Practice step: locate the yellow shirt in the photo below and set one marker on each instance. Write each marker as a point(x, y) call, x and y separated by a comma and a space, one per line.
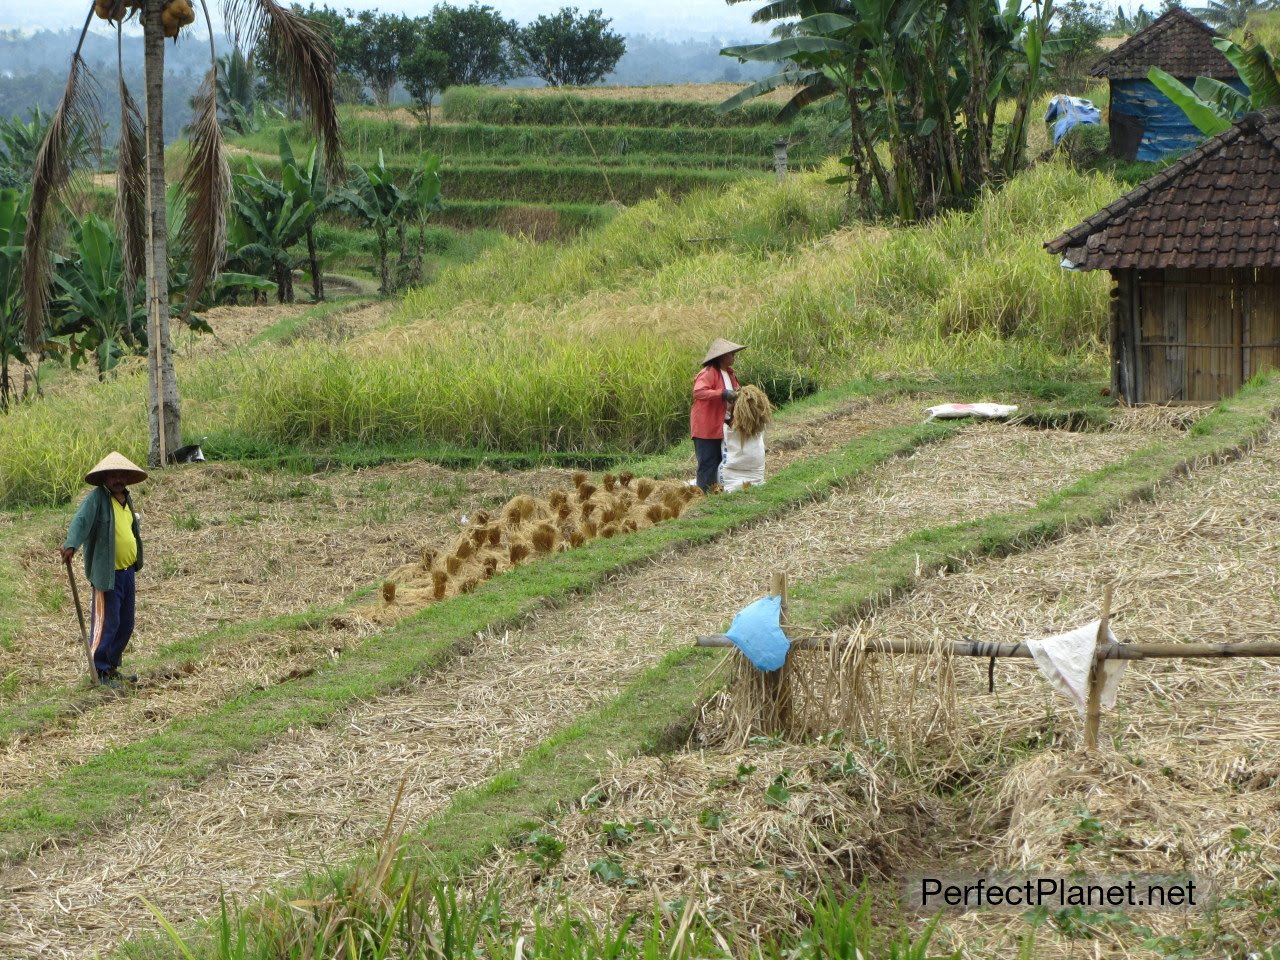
point(126, 543)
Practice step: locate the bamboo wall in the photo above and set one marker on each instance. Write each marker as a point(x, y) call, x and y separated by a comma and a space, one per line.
point(1192, 335)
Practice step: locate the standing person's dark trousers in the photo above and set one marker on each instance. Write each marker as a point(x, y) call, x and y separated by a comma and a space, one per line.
point(709, 454)
point(111, 613)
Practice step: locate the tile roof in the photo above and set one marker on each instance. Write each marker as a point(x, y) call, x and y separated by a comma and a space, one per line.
point(1178, 43)
point(1219, 206)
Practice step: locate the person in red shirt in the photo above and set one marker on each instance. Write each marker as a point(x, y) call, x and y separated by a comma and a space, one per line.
point(714, 390)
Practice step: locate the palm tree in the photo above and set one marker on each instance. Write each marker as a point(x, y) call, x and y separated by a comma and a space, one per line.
point(303, 54)
point(1229, 15)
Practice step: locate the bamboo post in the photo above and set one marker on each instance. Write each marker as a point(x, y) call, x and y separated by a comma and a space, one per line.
point(1093, 708)
point(776, 688)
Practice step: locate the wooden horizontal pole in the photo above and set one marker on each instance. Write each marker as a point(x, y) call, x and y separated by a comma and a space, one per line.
point(976, 648)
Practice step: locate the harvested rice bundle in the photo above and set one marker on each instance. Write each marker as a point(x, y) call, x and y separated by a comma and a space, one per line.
point(518, 552)
point(608, 531)
point(464, 548)
point(654, 513)
point(468, 584)
point(452, 564)
point(482, 517)
point(579, 478)
point(439, 583)
point(626, 477)
point(427, 558)
point(519, 509)
point(610, 481)
point(490, 566)
point(544, 537)
point(577, 539)
point(495, 536)
point(558, 498)
point(585, 490)
point(752, 411)
point(389, 592)
point(644, 487)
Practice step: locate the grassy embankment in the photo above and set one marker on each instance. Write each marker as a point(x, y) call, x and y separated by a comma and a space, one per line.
point(655, 710)
point(586, 347)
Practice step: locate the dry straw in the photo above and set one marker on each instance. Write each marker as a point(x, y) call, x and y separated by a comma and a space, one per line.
point(752, 411)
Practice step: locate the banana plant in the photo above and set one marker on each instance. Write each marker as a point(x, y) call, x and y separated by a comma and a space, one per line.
point(268, 220)
point(1213, 105)
point(13, 222)
point(93, 313)
point(308, 182)
point(395, 213)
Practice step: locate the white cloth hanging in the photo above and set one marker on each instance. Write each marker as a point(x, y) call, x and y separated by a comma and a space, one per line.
point(1065, 660)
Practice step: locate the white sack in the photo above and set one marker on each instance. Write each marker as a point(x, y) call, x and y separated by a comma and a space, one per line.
point(742, 460)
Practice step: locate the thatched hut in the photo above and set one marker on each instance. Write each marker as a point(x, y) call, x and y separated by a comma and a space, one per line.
point(1194, 253)
point(1144, 123)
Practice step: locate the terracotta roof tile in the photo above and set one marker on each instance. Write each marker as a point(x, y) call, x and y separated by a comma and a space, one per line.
point(1178, 43)
point(1219, 206)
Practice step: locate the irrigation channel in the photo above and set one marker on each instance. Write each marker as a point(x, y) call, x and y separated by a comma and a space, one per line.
point(318, 796)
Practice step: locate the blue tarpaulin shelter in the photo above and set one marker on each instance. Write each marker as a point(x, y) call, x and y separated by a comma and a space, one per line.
point(1145, 124)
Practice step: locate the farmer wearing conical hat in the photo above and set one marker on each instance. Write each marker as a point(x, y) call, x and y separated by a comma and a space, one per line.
point(106, 525)
point(714, 390)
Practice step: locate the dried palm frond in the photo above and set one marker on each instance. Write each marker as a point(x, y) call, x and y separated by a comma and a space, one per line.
point(131, 185)
point(302, 52)
point(206, 184)
point(70, 121)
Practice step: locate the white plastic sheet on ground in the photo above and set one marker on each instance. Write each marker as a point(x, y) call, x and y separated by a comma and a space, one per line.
point(951, 411)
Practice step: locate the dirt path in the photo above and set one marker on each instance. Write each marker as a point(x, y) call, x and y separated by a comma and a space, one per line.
point(319, 796)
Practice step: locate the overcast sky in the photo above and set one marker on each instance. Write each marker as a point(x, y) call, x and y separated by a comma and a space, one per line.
point(673, 19)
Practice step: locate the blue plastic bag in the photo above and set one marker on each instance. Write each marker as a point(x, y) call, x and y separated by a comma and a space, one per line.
point(757, 632)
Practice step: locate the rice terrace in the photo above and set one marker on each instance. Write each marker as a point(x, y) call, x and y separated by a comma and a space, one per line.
point(825, 505)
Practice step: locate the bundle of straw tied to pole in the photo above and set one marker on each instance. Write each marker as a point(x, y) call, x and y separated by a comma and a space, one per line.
point(529, 527)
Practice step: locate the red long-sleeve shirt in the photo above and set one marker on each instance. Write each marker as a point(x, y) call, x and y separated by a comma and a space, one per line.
point(706, 419)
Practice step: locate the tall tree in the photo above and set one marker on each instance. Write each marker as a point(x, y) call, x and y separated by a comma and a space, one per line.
point(373, 47)
point(479, 45)
point(302, 53)
point(568, 49)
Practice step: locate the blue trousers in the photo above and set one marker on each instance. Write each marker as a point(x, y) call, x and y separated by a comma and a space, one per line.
point(709, 453)
point(111, 614)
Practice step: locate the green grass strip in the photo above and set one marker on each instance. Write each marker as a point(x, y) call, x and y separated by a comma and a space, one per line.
point(109, 785)
point(657, 706)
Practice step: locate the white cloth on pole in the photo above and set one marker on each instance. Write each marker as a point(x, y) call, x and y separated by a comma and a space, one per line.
point(742, 460)
point(1065, 660)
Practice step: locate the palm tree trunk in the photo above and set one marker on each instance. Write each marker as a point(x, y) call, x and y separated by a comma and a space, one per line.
point(164, 409)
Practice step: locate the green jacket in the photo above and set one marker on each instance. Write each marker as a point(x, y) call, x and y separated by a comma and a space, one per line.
point(94, 528)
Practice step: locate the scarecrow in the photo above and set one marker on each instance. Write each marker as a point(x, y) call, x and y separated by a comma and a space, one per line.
point(106, 525)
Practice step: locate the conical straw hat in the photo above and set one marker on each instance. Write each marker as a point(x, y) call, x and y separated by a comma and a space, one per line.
point(719, 347)
point(115, 461)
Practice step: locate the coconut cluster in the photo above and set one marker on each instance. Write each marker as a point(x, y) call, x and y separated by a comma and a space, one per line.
point(528, 527)
point(176, 14)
